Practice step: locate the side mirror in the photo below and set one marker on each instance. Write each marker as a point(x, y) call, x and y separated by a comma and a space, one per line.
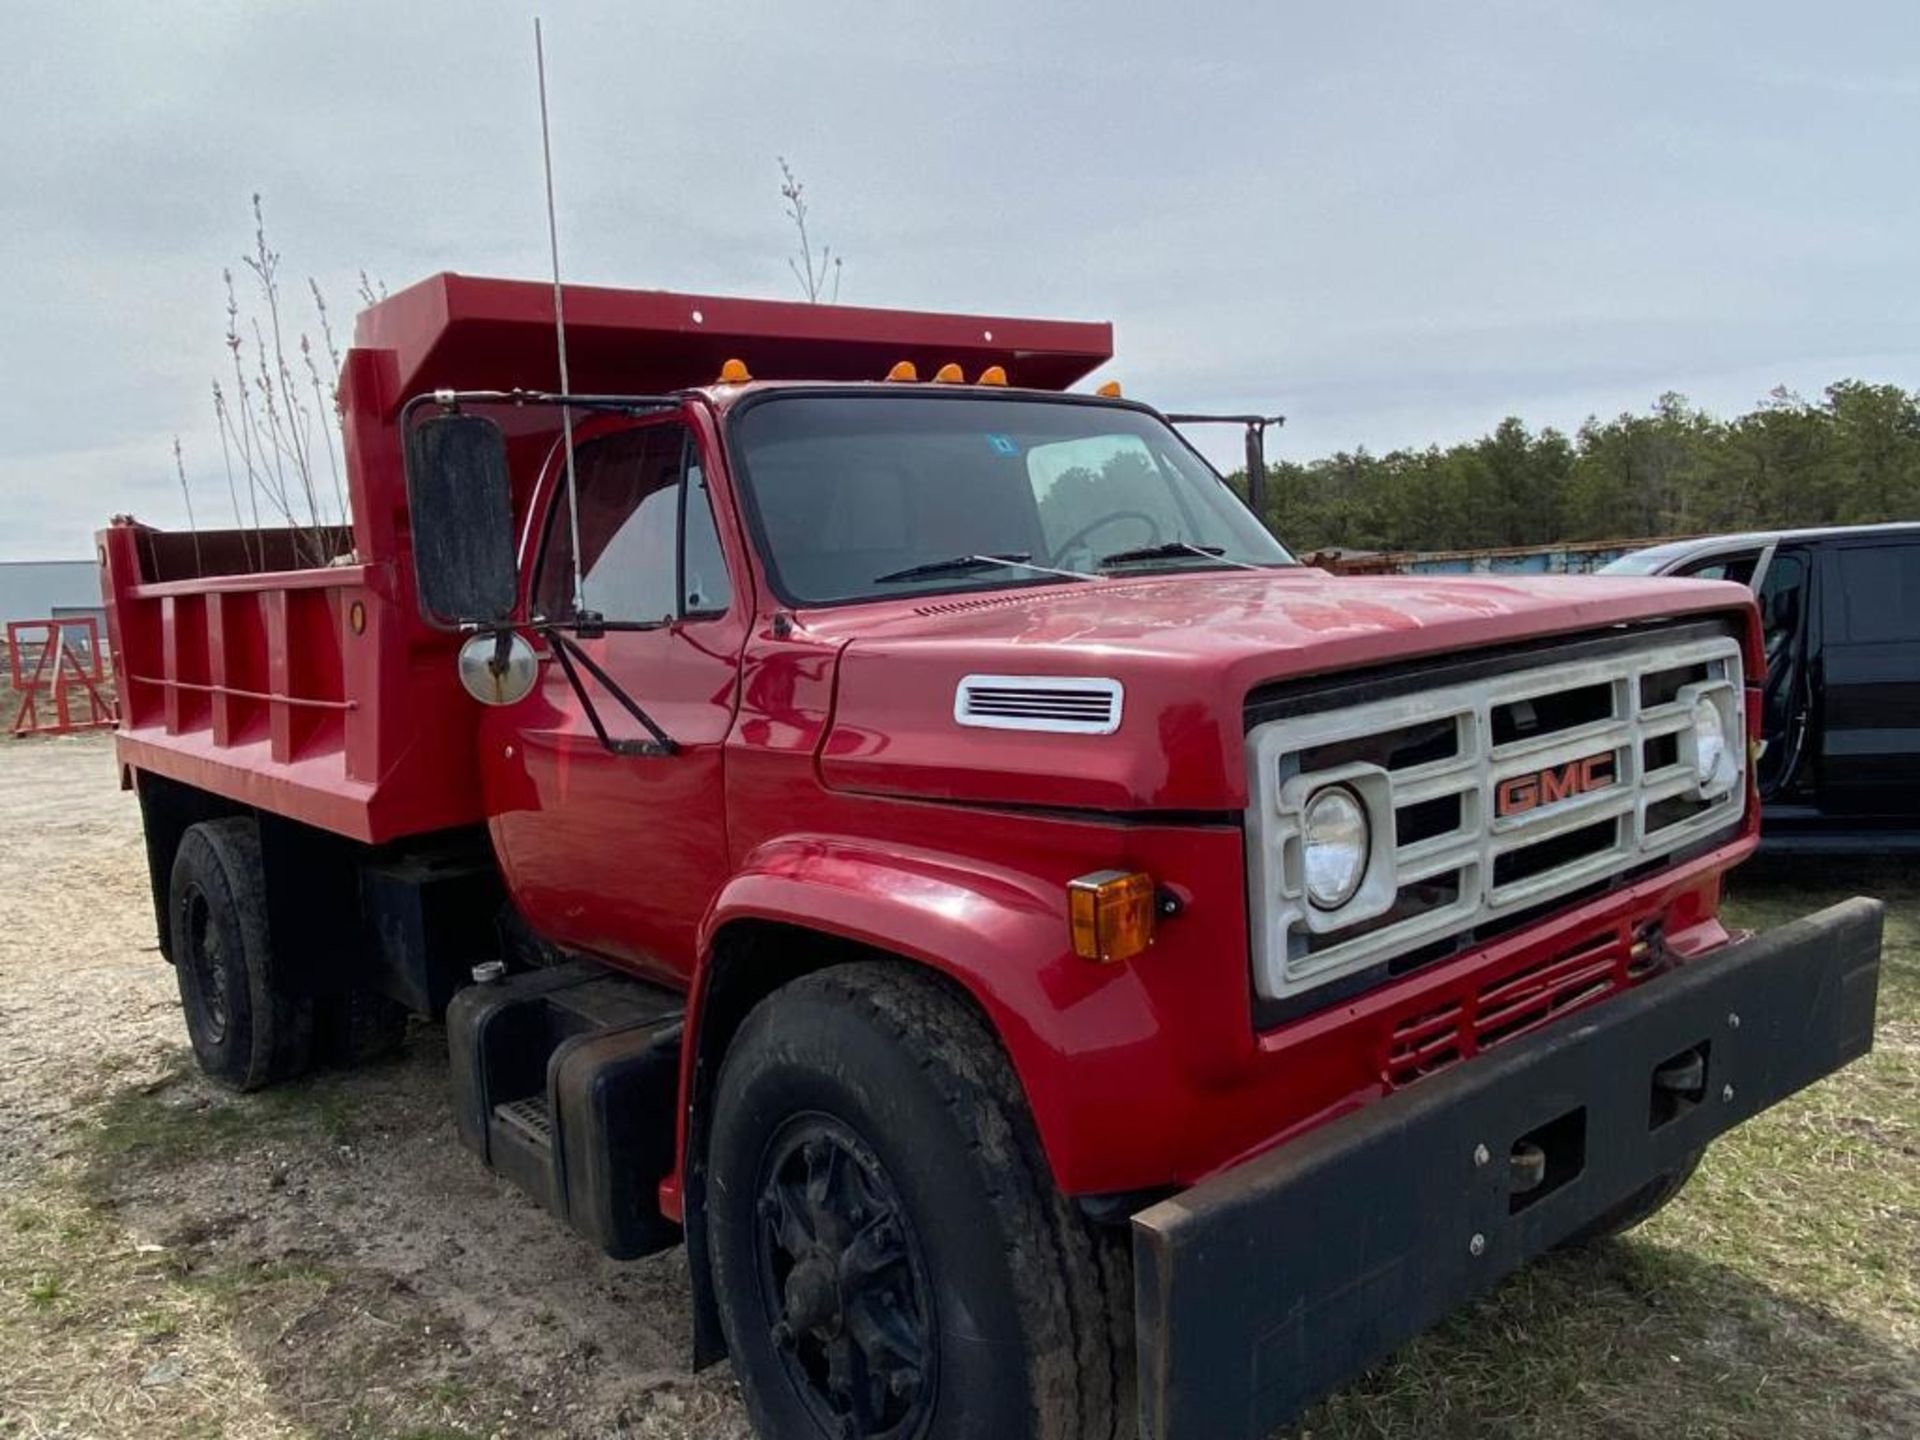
point(461, 502)
point(1257, 470)
point(498, 667)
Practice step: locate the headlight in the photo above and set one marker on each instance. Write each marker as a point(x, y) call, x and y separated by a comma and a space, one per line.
point(1712, 763)
point(1336, 841)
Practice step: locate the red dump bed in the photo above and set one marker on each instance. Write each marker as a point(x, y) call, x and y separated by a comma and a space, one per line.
point(318, 693)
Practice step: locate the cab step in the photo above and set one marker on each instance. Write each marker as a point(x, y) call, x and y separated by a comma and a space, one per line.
point(532, 1117)
point(566, 1082)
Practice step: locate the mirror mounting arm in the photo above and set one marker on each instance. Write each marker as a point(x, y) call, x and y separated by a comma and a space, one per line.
point(568, 652)
point(1256, 428)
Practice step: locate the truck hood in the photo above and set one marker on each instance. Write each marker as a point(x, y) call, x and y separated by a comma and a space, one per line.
point(1186, 649)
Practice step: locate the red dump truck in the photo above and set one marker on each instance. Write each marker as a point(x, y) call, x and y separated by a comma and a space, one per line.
point(905, 830)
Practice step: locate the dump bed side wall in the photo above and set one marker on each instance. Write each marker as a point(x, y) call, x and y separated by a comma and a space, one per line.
point(318, 694)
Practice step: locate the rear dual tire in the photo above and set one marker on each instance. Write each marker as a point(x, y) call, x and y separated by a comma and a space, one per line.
point(249, 1026)
point(891, 1257)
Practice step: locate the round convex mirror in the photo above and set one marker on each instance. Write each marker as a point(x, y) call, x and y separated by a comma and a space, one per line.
point(498, 669)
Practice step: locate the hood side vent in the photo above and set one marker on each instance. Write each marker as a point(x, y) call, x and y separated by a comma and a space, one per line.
point(1058, 704)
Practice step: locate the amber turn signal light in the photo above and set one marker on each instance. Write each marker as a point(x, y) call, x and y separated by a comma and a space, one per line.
point(1111, 915)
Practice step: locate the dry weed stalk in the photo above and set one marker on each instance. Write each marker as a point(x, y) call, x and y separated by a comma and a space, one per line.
point(268, 420)
point(812, 278)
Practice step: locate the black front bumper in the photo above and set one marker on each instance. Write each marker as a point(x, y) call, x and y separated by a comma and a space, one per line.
point(1262, 1289)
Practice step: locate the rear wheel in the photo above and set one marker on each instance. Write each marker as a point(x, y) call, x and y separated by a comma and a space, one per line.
point(890, 1254)
point(248, 1029)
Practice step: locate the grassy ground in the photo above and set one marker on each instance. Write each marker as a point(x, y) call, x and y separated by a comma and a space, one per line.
point(132, 1327)
point(150, 1283)
point(1778, 1298)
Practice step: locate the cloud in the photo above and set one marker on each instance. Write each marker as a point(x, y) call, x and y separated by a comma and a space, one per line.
point(1396, 223)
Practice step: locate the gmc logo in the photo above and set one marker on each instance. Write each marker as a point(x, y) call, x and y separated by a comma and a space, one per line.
point(1521, 793)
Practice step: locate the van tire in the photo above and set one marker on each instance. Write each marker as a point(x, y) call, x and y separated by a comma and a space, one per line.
point(248, 1028)
point(1022, 1306)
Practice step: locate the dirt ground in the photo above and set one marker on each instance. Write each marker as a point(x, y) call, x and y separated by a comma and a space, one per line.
point(325, 1260)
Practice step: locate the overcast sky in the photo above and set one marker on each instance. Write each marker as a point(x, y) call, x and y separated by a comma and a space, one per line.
point(1395, 222)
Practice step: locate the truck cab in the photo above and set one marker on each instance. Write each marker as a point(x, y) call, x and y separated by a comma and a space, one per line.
point(904, 828)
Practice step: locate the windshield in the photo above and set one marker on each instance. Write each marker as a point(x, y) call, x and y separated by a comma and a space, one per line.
point(858, 496)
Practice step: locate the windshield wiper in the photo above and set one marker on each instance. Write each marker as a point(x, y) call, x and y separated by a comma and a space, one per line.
point(960, 564)
point(1174, 549)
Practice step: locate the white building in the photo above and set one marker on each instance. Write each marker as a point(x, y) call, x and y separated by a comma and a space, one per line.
point(50, 590)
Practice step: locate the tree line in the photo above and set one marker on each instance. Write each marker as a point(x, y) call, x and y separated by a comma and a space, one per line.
point(1851, 457)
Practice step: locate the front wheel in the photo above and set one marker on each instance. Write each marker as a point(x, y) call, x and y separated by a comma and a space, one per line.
point(1646, 1202)
point(891, 1257)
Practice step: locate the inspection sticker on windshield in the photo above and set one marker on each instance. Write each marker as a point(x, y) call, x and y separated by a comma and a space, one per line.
point(1004, 444)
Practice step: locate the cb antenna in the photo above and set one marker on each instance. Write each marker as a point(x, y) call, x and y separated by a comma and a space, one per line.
point(581, 615)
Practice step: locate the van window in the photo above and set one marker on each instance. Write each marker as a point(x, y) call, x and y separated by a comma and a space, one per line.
point(1737, 567)
point(1782, 599)
point(1879, 599)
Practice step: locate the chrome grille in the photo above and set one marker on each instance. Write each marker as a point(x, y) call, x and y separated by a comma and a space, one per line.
point(1436, 770)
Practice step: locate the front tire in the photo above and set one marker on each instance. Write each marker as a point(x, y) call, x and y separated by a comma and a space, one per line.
point(890, 1255)
point(248, 1028)
point(1646, 1202)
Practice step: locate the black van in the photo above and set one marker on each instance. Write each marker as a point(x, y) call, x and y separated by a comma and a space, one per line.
point(1841, 607)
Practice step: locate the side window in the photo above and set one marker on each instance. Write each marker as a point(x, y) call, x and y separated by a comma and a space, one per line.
point(631, 506)
point(1879, 594)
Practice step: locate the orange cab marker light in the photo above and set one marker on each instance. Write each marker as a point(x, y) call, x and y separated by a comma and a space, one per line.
point(903, 370)
point(1110, 390)
point(949, 374)
point(734, 372)
point(1110, 914)
point(994, 375)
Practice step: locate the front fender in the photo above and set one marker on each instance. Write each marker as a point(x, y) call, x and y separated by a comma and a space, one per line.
point(1083, 1037)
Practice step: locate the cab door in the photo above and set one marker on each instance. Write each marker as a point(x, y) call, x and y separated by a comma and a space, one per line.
point(1867, 677)
point(614, 851)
